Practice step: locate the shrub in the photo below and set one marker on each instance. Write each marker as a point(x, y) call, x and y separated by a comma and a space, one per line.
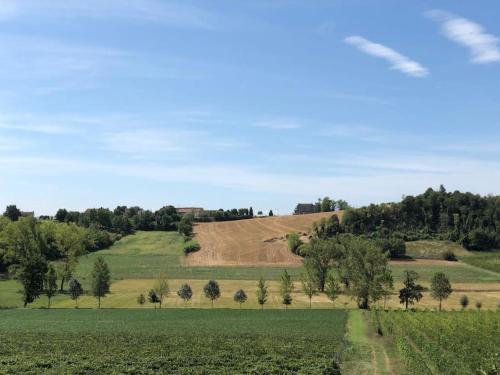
point(479, 304)
point(464, 301)
point(141, 300)
point(191, 247)
point(294, 242)
point(449, 256)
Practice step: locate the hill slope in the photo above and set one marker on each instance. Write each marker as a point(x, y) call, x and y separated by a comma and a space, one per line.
point(256, 242)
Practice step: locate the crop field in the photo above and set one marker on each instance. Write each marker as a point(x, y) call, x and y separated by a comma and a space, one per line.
point(147, 254)
point(258, 241)
point(171, 341)
point(458, 343)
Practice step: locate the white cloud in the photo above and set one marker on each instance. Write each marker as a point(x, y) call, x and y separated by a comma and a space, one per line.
point(164, 142)
point(483, 46)
point(279, 124)
point(388, 176)
point(397, 60)
point(175, 14)
point(361, 132)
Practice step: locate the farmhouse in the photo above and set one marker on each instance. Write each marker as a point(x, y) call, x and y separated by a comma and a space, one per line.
point(304, 208)
point(196, 211)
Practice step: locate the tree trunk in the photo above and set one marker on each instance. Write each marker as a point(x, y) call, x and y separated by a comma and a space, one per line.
point(99, 302)
point(212, 303)
point(439, 305)
point(310, 303)
point(160, 304)
point(62, 284)
point(48, 304)
point(406, 304)
point(363, 303)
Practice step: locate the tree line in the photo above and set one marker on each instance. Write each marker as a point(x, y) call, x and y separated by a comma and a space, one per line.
point(469, 219)
point(225, 215)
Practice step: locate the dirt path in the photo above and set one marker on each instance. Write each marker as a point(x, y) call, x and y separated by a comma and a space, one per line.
point(371, 354)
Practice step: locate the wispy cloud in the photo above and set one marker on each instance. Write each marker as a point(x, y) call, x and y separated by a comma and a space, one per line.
point(172, 13)
point(361, 132)
point(279, 124)
point(164, 142)
point(483, 46)
point(396, 59)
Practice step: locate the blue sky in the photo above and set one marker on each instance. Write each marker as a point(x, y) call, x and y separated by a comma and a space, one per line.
point(237, 103)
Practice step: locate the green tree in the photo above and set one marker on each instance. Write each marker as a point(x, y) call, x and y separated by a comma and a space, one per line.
point(185, 292)
point(332, 287)
point(101, 280)
point(162, 289)
point(20, 242)
point(326, 228)
point(31, 273)
point(70, 241)
point(464, 301)
point(250, 212)
point(50, 283)
point(75, 290)
point(271, 213)
point(153, 298)
point(12, 212)
point(364, 264)
point(286, 288)
point(61, 215)
point(262, 292)
point(479, 304)
point(387, 285)
point(186, 225)
point(320, 255)
point(286, 283)
point(141, 300)
point(309, 283)
point(440, 287)
point(212, 291)
point(240, 296)
point(412, 292)
point(326, 204)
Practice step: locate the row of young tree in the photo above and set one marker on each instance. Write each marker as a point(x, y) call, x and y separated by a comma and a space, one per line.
point(469, 219)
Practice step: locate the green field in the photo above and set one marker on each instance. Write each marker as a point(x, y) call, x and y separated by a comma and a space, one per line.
point(144, 255)
point(487, 260)
point(457, 272)
point(171, 341)
point(452, 343)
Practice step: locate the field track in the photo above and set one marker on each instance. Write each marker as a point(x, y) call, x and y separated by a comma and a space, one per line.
point(256, 242)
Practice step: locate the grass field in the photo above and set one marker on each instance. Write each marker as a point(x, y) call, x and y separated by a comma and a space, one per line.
point(487, 260)
point(171, 341)
point(427, 249)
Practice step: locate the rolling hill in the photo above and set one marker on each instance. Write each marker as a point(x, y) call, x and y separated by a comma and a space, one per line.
point(255, 242)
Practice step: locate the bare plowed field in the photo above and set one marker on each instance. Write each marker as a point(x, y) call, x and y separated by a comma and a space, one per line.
point(259, 241)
